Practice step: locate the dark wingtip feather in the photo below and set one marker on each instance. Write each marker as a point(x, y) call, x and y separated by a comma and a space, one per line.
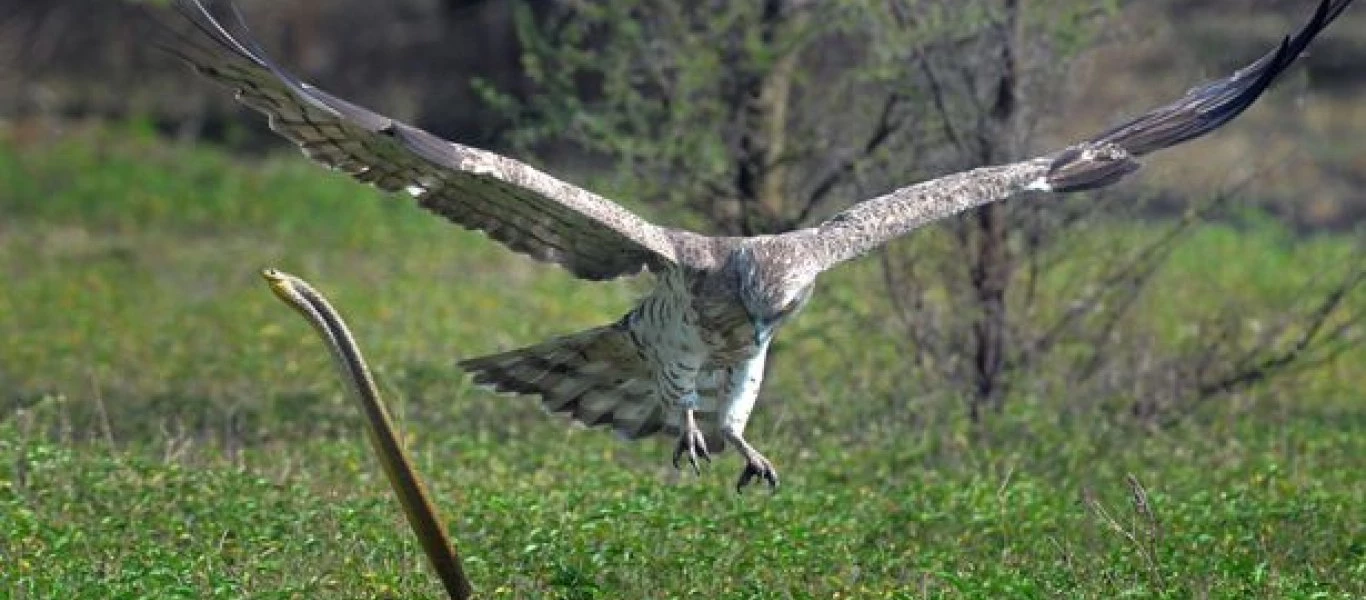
point(1088, 166)
point(1111, 155)
point(1211, 105)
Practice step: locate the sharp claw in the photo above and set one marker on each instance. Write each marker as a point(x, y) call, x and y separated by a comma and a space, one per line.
point(694, 445)
point(744, 480)
point(760, 468)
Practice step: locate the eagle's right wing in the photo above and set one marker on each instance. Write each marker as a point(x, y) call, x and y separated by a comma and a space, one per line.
point(526, 209)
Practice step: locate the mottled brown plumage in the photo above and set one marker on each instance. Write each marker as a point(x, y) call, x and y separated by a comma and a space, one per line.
point(705, 329)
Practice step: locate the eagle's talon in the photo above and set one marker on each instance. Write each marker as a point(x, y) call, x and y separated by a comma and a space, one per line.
point(693, 444)
point(760, 467)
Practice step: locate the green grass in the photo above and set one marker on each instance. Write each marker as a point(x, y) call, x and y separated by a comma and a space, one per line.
point(171, 430)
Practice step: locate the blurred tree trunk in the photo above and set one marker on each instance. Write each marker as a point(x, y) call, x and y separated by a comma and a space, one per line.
point(991, 260)
point(761, 174)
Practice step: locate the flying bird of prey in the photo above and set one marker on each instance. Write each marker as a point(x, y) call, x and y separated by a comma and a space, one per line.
point(688, 359)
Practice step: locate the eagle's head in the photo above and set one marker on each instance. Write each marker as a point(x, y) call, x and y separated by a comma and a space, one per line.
point(774, 282)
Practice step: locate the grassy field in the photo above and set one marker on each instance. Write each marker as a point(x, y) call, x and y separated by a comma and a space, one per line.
point(170, 430)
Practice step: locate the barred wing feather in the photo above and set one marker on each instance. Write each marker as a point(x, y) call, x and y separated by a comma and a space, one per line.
point(524, 208)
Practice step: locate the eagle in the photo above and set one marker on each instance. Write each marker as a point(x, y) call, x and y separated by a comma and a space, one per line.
point(688, 359)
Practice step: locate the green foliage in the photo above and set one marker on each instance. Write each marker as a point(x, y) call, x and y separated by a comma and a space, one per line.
point(170, 430)
point(581, 516)
point(637, 89)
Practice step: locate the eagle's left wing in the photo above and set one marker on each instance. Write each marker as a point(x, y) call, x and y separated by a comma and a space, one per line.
point(1097, 162)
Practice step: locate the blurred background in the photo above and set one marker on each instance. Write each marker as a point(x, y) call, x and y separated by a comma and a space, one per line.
point(970, 409)
point(419, 60)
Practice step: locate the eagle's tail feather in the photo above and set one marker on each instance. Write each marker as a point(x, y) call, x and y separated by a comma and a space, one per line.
point(596, 377)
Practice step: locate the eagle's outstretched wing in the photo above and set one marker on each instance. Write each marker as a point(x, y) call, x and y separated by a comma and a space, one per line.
point(526, 209)
point(1097, 162)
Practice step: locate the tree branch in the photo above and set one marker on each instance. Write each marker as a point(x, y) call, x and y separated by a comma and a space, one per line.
point(883, 130)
